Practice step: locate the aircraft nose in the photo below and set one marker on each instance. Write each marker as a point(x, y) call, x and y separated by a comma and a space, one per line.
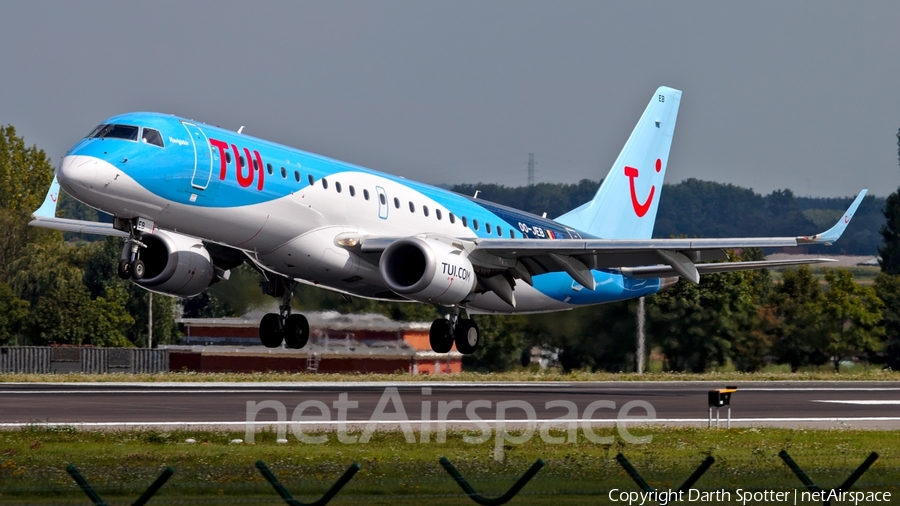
point(77, 172)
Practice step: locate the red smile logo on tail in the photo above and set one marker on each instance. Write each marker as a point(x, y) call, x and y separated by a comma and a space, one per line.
point(640, 209)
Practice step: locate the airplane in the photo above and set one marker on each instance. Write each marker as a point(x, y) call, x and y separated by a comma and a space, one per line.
point(194, 201)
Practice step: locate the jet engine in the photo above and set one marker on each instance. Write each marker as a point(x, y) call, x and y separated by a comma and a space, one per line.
point(427, 271)
point(175, 264)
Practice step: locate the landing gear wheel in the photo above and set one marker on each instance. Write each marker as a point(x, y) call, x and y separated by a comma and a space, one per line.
point(269, 333)
point(466, 336)
point(440, 337)
point(137, 270)
point(296, 331)
point(124, 269)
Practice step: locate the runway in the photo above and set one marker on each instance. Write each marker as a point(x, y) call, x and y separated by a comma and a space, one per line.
point(871, 405)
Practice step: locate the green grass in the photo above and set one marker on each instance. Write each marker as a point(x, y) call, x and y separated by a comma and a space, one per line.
point(775, 373)
point(121, 464)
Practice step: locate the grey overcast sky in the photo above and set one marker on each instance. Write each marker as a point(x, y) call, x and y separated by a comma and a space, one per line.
point(802, 95)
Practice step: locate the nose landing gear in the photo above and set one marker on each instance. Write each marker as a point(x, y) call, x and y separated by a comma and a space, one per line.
point(462, 331)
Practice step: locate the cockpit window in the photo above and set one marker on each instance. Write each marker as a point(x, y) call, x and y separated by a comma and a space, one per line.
point(127, 132)
point(151, 136)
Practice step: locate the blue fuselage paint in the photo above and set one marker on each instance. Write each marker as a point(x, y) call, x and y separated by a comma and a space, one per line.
point(260, 202)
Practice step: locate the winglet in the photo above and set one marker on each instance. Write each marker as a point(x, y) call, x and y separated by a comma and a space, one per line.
point(834, 233)
point(48, 208)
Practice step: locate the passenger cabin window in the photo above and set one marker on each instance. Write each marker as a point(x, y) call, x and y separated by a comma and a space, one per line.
point(283, 173)
point(228, 156)
point(451, 217)
point(151, 136)
point(297, 176)
point(475, 224)
point(499, 231)
point(425, 210)
point(412, 207)
point(255, 165)
point(127, 132)
point(512, 234)
point(241, 162)
point(311, 179)
point(465, 222)
point(352, 191)
point(487, 226)
point(396, 202)
point(269, 168)
point(337, 186)
point(437, 213)
point(366, 194)
point(324, 183)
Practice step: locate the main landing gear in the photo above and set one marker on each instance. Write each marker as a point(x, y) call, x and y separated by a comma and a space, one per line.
point(291, 329)
point(130, 264)
point(462, 331)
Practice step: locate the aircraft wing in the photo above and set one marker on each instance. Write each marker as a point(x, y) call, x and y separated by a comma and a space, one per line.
point(642, 256)
point(45, 217)
point(639, 258)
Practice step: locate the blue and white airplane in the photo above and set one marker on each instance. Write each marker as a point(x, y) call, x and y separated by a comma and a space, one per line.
point(194, 201)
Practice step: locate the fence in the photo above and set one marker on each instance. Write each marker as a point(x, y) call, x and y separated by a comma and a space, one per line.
point(44, 359)
point(432, 487)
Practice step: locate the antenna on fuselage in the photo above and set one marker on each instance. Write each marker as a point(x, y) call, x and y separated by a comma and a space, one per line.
point(241, 130)
point(476, 194)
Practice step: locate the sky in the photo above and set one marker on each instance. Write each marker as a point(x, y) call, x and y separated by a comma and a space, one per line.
point(802, 95)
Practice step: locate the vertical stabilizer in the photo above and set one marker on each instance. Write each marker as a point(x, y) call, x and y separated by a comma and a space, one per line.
point(626, 203)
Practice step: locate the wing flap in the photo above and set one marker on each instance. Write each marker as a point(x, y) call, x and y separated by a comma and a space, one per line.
point(662, 271)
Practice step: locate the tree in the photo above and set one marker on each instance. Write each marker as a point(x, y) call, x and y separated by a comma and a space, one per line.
point(25, 174)
point(100, 260)
point(44, 269)
point(69, 316)
point(598, 337)
point(890, 232)
point(887, 288)
point(698, 326)
point(501, 342)
point(793, 324)
point(13, 314)
point(206, 305)
point(65, 309)
point(850, 317)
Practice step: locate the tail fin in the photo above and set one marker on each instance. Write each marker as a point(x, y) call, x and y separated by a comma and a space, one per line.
point(626, 203)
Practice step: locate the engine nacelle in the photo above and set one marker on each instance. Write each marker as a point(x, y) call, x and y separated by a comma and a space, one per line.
point(175, 264)
point(427, 271)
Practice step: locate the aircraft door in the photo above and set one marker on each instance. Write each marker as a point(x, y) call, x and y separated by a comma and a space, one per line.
point(382, 203)
point(202, 157)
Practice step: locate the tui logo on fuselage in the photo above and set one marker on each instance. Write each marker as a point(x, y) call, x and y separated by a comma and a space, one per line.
point(252, 164)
